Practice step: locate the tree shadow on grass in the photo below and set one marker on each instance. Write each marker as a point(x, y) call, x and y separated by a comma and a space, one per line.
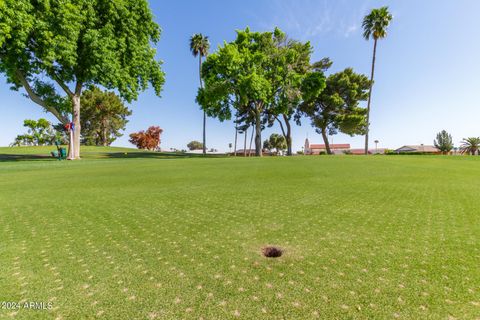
point(157, 155)
point(109, 155)
point(24, 157)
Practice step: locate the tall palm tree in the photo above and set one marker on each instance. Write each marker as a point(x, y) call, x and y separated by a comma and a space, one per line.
point(470, 145)
point(199, 46)
point(374, 26)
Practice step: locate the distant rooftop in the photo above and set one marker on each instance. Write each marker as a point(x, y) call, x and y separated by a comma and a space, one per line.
point(332, 146)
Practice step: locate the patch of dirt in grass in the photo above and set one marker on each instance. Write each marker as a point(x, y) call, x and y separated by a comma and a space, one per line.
point(272, 252)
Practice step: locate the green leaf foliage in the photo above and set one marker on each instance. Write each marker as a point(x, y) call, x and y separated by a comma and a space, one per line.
point(83, 41)
point(195, 145)
point(238, 75)
point(104, 116)
point(335, 107)
point(275, 141)
point(375, 24)
point(257, 77)
point(443, 142)
point(40, 133)
point(470, 145)
point(199, 45)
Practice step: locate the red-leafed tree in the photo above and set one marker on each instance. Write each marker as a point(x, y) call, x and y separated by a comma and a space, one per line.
point(149, 139)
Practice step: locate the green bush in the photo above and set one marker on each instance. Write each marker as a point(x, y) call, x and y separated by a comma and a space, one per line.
point(389, 152)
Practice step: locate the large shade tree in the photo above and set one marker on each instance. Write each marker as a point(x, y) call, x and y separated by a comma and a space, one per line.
point(239, 76)
point(375, 26)
point(336, 107)
point(104, 117)
point(291, 61)
point(199, 46)
point(53, 49)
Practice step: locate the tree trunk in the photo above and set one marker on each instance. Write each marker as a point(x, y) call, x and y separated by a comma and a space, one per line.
point(250, 147)
point(71, 154)
point(245, 142)
point(370, 95)
point(235, 146)
point(104, 133)
point(258, 133)
point(204, 140)
point(288, 135)
point(74, 146)
point(325, 140)
point(204, 133)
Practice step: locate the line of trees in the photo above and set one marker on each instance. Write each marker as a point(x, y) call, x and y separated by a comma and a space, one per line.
point(260, 79)
point(103, 120)
point(40, 133)
point(276, 142)
point(444, 143)
point(265, 78)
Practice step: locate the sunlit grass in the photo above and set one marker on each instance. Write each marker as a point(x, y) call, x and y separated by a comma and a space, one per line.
point(363, 238)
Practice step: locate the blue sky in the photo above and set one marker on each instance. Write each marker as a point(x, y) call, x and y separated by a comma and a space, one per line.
point(426, 77)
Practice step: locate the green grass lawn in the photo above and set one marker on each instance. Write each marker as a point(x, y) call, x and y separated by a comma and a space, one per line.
point(90, 152)
point(379, 237)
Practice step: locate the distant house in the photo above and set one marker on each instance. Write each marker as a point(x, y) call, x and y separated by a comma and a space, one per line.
point(338, 148)
point(370, 151)
point(359, 151)
point(250, 152)
point(418, 149)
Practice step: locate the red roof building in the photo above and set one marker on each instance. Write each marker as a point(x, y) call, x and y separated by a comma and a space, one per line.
point(319, 148)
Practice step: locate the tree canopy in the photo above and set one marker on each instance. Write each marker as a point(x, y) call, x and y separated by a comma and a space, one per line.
point(335, 108)
point(470, 145)
point(240, 76)
point(291, 61)
point(195, 145)
point(275, 141)
point(443, 142)
point(40, 133)
point(47, 45)
point(375, 24)
point(104, 116)
point(149, 139)
point(199, 45)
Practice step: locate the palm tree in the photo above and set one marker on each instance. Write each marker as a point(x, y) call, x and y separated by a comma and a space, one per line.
point(374, 26)
point(199, 46)
point(470, 145)
point(376, 145)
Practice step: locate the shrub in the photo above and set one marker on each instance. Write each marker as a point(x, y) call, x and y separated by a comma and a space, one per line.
point(149, 140)
point(195, 145)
